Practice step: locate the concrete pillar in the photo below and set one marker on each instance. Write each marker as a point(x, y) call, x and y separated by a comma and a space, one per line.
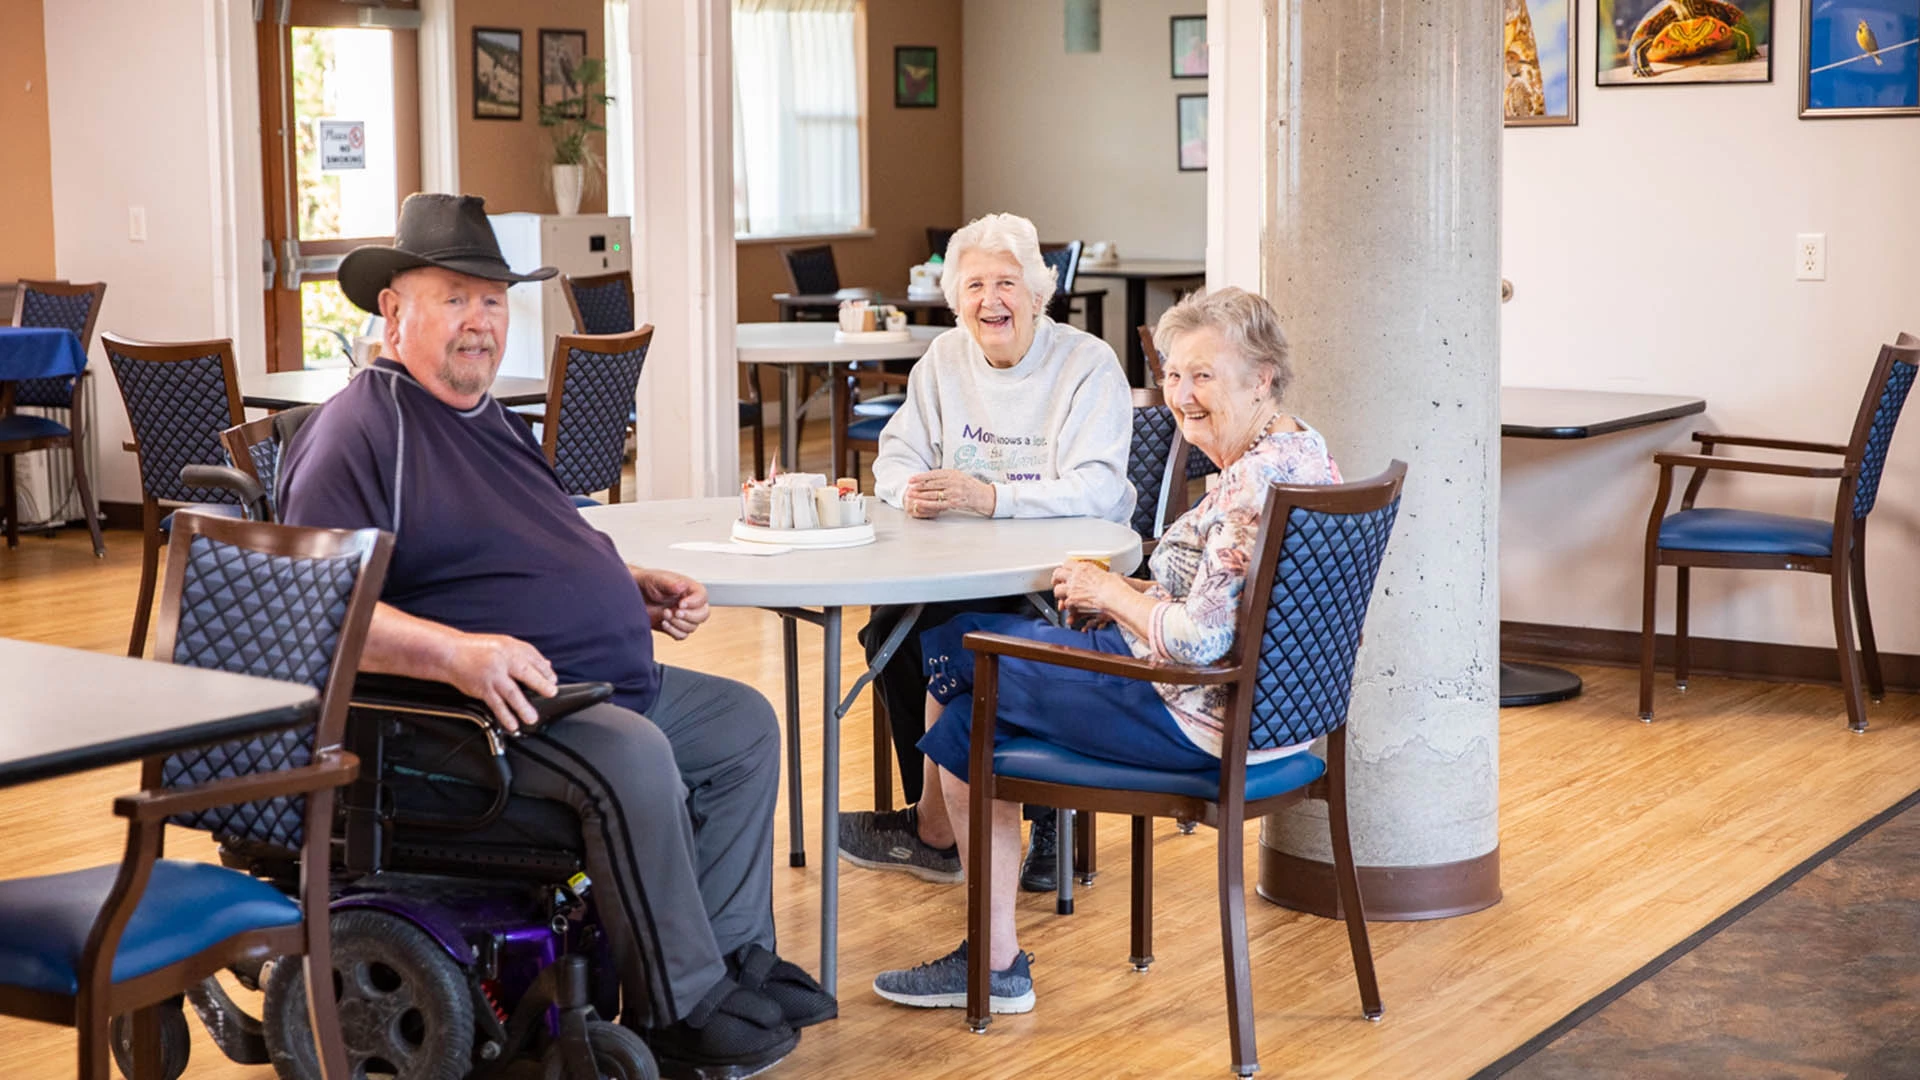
point(1383, 255)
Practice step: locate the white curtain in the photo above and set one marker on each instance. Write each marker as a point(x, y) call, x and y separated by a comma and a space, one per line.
point(620, 163)
point(796, 117)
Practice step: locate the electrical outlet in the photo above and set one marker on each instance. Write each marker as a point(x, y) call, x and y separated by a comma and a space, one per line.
point(137, 223)
point(1810, 257)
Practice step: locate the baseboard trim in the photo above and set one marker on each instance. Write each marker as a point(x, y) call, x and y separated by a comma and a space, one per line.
point(1764, 660)
point(1389, 893)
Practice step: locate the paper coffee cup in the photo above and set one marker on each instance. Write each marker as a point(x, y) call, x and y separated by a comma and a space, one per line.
point(1099, 558)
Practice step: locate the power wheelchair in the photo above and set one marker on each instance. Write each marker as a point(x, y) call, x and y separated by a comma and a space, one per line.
point(465, 943)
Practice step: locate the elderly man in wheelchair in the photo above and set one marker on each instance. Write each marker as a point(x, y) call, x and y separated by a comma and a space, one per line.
point(519, 841)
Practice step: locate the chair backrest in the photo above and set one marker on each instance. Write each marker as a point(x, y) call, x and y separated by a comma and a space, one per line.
point(1198, 464)
point(1064, 261)
point(179, 398)
point(602, 303)
point(1879, 412)
point(257, 448)
point(589, 400)
point(55, 304)
point(1156, 455)
point(811, 271)
point(278, 602)
point(1318, 553)
point(937, 240)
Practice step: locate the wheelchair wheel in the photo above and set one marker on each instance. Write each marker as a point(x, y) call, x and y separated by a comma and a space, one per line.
point(618, 1054)
point(405, 1008)
point(176, 1043)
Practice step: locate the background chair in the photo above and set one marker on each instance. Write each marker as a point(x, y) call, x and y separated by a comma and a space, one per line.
point(811, 270)
point(257, 599)
point(179, 398)
point(937, 240)
point(601, 303)
point(589, 400)
point(1751, 540)
point(1068, 298)
point(1288, 681)
point(68, 307)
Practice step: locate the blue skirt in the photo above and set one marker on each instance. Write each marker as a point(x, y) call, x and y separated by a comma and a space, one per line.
point(1099, 715)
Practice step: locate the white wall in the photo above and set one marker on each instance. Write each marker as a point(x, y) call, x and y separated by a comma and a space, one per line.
point(1651, 249)
point(1082, 143)
point(150, 129)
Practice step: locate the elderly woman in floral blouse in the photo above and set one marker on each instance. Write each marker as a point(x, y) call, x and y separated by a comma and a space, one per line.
point(1226, 378)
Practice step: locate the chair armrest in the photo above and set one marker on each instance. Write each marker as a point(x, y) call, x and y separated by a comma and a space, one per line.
point(1773, 468)
point(1709, 438)
point(1106, 663)
point(130, 446)
point(252, 495)
point(330, 769)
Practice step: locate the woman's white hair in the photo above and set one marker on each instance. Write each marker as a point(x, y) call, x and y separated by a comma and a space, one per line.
point(1008, 234)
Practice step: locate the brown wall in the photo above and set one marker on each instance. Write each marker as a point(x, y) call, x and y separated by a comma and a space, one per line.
point(505, 161)
point(913, 163)
point(26, 183)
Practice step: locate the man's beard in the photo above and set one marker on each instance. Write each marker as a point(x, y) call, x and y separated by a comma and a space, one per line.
point(463, 380)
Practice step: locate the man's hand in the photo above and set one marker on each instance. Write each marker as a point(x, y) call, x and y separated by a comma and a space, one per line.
point(676, 604)
point(495, 668)
point(930, 494)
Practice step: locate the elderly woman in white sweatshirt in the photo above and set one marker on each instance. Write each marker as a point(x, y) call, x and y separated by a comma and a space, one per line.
point(1009, 414)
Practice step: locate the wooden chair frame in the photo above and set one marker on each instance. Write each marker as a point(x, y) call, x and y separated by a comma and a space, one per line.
point(1846, 567)
point(150, 515)
point(100, 999)
point(75, 440)
point(600, 345)
point(1228, 814)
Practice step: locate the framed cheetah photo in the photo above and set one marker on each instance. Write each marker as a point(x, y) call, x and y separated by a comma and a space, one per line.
point(1861, 59)
point(1665, 42)
point(1540, 84)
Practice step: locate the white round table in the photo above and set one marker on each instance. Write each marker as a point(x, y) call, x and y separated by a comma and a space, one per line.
point(793, 345)
point(910, 562)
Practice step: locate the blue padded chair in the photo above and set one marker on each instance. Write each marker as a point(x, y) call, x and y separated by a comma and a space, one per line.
point(602, 303)
point(179, 398)
point(85, 947)
point(1288, 681)
point(590, 390)
point(1750, 540)
point(67, 307)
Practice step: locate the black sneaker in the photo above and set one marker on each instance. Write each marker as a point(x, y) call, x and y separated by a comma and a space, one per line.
point(733, 1034)
point(802, 1000)
point(890, 840)
point(1040, 872)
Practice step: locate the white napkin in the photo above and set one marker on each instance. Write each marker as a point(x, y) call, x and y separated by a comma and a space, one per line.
point(732, 547)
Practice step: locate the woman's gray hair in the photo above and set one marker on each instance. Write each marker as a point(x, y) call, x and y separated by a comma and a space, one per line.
point(1008, 234)
point(1244, 320)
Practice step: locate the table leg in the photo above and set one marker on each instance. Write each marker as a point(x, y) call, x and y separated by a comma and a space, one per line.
point(840, 410)
point(830, 805)
point(1136, 315)
point(1535, 684)
point(790, 417)
point(796, 820)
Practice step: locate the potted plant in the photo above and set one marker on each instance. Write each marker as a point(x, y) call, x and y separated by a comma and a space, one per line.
point(571, 123)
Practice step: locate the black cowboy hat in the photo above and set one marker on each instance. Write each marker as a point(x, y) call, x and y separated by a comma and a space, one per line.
point(447, 231)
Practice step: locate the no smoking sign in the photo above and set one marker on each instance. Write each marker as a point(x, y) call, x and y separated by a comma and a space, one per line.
point(343, 145)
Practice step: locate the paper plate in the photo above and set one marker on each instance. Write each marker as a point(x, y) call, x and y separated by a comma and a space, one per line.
point(872, 337)
point(847, 536)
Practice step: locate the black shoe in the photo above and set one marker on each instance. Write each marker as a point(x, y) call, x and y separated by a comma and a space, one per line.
point(802, 1001)
point(733, 1034)
point(1040, 871)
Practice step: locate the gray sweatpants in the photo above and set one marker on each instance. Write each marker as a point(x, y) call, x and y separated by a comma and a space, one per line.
point(676, 808)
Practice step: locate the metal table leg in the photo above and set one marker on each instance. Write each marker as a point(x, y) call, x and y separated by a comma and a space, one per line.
point(790, 406)
point(830, 805)
point(1136, 314)
point(796, 820)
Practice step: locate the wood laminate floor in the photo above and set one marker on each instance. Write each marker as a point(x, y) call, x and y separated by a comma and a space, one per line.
point(1618, 840)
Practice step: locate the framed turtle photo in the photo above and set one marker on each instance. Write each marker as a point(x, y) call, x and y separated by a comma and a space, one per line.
point(1539, 43)
point(1860, 59)
point(1662, 42)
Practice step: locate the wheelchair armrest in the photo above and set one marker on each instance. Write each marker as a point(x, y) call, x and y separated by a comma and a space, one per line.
point(226, 477)
point(400, 692)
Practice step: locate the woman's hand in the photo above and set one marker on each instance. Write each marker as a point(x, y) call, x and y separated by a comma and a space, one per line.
point(930, 494)
point(1080, 589)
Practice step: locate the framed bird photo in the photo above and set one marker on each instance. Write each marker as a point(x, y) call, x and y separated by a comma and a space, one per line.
point(1539, 44)
point(1861, 58)
point(1665, 42)
point(916, 77)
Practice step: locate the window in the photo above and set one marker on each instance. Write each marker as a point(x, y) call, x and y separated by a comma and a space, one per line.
point(796, 118)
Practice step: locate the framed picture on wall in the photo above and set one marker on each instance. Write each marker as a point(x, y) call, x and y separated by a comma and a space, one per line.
point(1189, 43)
point(1862, 59)
point(1663, 42)
point(560, 54)
point(1191, 131)
point(916, 77)
point(496, 73)
point(1539, 63)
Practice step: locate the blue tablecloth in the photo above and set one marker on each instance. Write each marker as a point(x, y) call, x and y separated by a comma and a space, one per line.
point(33, 352)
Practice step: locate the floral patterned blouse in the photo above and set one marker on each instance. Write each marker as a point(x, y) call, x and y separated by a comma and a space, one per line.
point(1200, 569)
